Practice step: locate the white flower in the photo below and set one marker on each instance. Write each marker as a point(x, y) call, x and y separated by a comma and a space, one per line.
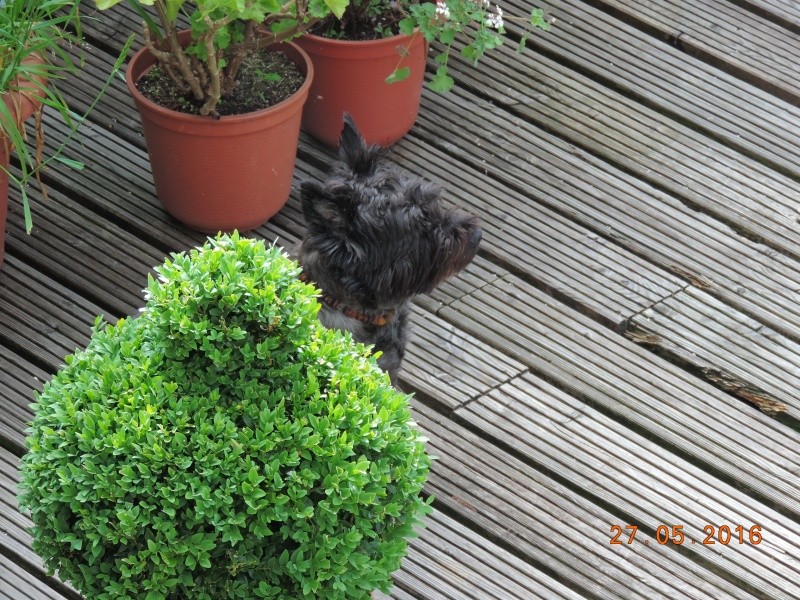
point(495, 20)
point(441, 10)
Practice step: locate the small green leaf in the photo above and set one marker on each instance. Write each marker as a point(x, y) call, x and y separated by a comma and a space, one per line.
point(337, 7)
point(399, 75)
point(72, 164)
point(441, 82)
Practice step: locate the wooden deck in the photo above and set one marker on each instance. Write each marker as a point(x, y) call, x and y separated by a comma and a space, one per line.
point(624, 351)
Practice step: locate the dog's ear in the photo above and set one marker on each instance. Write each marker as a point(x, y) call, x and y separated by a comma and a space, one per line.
point(353, 149)
point(320, 208)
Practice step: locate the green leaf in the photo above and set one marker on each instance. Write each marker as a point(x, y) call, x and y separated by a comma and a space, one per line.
point(397, 75)
point(441, 82)
point(337, 7)
point(173, 8)
point(104, 4)
point(72, 164)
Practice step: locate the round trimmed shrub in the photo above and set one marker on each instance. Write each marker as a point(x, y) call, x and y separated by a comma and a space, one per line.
point(223, 444)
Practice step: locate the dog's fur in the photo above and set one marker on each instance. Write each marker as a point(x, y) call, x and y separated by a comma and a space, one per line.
point(375, 238)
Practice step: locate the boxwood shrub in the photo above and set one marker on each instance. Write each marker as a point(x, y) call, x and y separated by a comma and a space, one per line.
point(223, 444)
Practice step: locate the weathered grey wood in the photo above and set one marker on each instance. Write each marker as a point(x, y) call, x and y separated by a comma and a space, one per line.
point(18, 381)
point(721, 433)
point(113, 263)
point(672, 156)
point(476, 566)
point(556, 529)
point(16, 540)
point(784, 12)
point(729, 348)
point(746, 274)
point(18, 584)
point(721, 105)
point(640, 479)
point(444, 363)
point(724, 34)
point(40, 318)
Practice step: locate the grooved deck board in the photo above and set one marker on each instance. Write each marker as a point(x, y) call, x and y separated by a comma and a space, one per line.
point(650, 146)
point(21, 585)
point(662, 76)
point(718, 340)
point(14, 525)
point(18, 381)
point(46, 323)
point(537, 420)
point(732, 38)
point(114, 264)
point(784, 12)
point(556, 529)
point(654, 397)
point(439, 566)
point(446, 364)
point(616, 206)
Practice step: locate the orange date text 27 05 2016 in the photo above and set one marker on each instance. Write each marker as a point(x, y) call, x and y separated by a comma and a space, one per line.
point(666, 534)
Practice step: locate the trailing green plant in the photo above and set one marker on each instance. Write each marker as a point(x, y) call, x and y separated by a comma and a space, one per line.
point(223, 444)
point(478, 24)
point(40, 44)
point(223, 33)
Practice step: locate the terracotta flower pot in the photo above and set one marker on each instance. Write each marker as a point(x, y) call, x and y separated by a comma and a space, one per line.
point(222, 174)
point(351, 77)
point(21, 105)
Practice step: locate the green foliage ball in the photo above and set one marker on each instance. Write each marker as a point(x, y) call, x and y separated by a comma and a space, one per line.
point(223, 445)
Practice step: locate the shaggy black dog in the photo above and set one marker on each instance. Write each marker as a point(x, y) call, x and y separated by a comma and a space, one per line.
point(376, 237)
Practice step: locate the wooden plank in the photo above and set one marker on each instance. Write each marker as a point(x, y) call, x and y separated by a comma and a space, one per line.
point(550, 526)
point(665, 79)
point(16, 540)
point(730, 349)
point(445, 559)
point(700, 171)
point(613, 205)
point(41, 319)
point(785, 13)
point(637, 388)
point(110, 266)
point(18, 381)
point(450, 366)
point(724, 34)
point(18, 584)
point(641, 480)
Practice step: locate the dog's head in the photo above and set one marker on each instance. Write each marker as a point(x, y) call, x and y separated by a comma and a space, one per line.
point(376, 237)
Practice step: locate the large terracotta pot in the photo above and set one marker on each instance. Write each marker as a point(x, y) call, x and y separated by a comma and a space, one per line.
point(21, 104)
point(222, 174)
point(351, 77)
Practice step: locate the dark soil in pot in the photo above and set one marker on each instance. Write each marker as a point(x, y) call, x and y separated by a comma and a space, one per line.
point(358, 24)
point(264, 79)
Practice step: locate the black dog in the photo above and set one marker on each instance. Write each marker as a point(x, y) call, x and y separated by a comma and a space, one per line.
point(377, 237)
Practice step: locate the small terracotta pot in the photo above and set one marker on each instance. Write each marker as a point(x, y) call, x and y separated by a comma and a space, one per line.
point(21, 106)
point(222, 174)
point(351, 77)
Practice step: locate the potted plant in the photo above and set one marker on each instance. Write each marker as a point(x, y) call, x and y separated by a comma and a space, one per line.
point(370, 62)
point(223, 444)
point(221, 104)
point(37, 43)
